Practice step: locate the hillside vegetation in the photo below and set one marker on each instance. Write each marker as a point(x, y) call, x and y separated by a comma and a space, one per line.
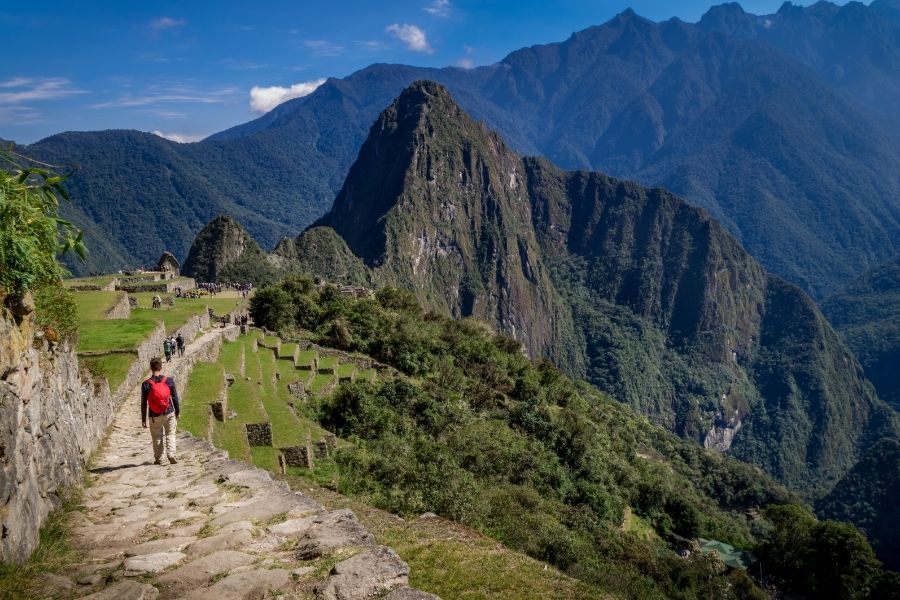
point(473, 430)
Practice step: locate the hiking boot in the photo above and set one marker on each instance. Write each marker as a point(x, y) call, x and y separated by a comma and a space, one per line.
point(157, 462)
point(172, 460)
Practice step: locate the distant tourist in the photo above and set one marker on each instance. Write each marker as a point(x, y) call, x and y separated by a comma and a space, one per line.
point(179, 342)
point(167, 349)
point(159, 401)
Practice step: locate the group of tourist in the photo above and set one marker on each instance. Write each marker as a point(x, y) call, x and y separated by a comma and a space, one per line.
point(173, 345)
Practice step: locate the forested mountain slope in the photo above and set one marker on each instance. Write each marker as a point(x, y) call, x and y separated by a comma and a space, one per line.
point(867, 315)
point(764, 134)
point(632, 288)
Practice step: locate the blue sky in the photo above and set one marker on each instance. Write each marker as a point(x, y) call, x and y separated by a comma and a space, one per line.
point(190, 68)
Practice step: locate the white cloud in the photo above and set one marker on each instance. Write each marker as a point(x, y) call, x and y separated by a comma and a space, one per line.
point(264, 99)
point(181, 138)
point(24, 89)
point(411, 35)
point(169, 92)
point(163, 23)
point(324, 47)
point(439, 8)
point(465, 63)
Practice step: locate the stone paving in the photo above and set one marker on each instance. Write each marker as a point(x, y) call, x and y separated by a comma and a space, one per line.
point(211, 528)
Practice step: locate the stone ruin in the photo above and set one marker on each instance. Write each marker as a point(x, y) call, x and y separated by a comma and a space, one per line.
point(218, 410)
point(297, 456)
point(259, 434)
point(297, 390)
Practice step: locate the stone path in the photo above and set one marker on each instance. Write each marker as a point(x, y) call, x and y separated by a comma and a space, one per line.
point(214, 528)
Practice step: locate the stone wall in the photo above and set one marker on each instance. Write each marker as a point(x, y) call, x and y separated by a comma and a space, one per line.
point(259, 434)
point(122, 309)
point(51, 419)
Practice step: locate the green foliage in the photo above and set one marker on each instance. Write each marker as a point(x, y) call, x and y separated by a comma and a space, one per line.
point(56, 311)
point(818, 559)
point(31, 231)
point(482, 435)
point(868, 497)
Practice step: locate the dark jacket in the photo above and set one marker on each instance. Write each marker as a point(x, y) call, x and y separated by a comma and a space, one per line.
point(145, 390)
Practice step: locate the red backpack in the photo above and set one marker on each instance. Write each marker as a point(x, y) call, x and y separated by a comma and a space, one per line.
point(159, 396)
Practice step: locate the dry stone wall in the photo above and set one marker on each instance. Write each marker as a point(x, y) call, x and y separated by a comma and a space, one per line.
point(51, 419)
point(122, 309)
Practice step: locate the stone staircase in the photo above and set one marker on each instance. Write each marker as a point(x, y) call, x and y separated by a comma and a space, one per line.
point(213, 528)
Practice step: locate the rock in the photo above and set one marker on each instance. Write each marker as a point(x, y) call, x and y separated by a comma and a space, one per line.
point(330, 532)
point(257, 583)
point(291, 527)
point(126, 589)
point(200, 570)
point(250, 478)
point(365, 576)
point(428, 515)
point(151, 563)
point(173, 544)
point(223, 541)
point(274, 503)
point(59, 583)
point(410, 594)
point(302, 572)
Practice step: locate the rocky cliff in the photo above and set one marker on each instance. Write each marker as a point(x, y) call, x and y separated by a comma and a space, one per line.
point(632, 288)
point(51, 419)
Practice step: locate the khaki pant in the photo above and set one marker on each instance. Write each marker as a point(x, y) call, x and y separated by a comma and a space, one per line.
point(162, 429)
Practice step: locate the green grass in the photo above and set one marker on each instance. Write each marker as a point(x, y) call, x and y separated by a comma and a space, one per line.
point(345, 370)
point(119, 334)
point(327, 362)
point(265, 457)
point(305, 357)
point(93, 306)
point(366, 375)
point(203, 387)
point(319, 383)
point(286, 351)
point(113, 367)
point(54, 554)
point(230, 355)
point(101, 281)
point(454, 561)
point(271, 341)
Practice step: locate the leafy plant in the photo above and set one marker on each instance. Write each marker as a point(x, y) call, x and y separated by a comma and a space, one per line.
point(32, 233)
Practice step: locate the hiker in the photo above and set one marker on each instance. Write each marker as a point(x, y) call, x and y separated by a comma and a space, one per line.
point(157, 302)
point(167, 349)
point(179, 342)
point(159, 401)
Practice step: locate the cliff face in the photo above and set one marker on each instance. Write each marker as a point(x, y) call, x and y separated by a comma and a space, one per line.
point(643, 295)
point(448, 216)
point(51, 420)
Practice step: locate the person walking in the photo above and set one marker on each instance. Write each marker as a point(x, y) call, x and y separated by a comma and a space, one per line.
point(159, 401)
point(167, 349)
point(179, 343)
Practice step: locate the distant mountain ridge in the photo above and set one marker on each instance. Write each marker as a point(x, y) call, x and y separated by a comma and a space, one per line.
point(631, 288)
point(767, 135)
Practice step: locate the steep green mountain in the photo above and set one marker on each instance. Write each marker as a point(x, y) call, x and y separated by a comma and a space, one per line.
point(632, 288)
point(223, 251)
point(867, 315)
point(768, 137)
point(867, 497)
